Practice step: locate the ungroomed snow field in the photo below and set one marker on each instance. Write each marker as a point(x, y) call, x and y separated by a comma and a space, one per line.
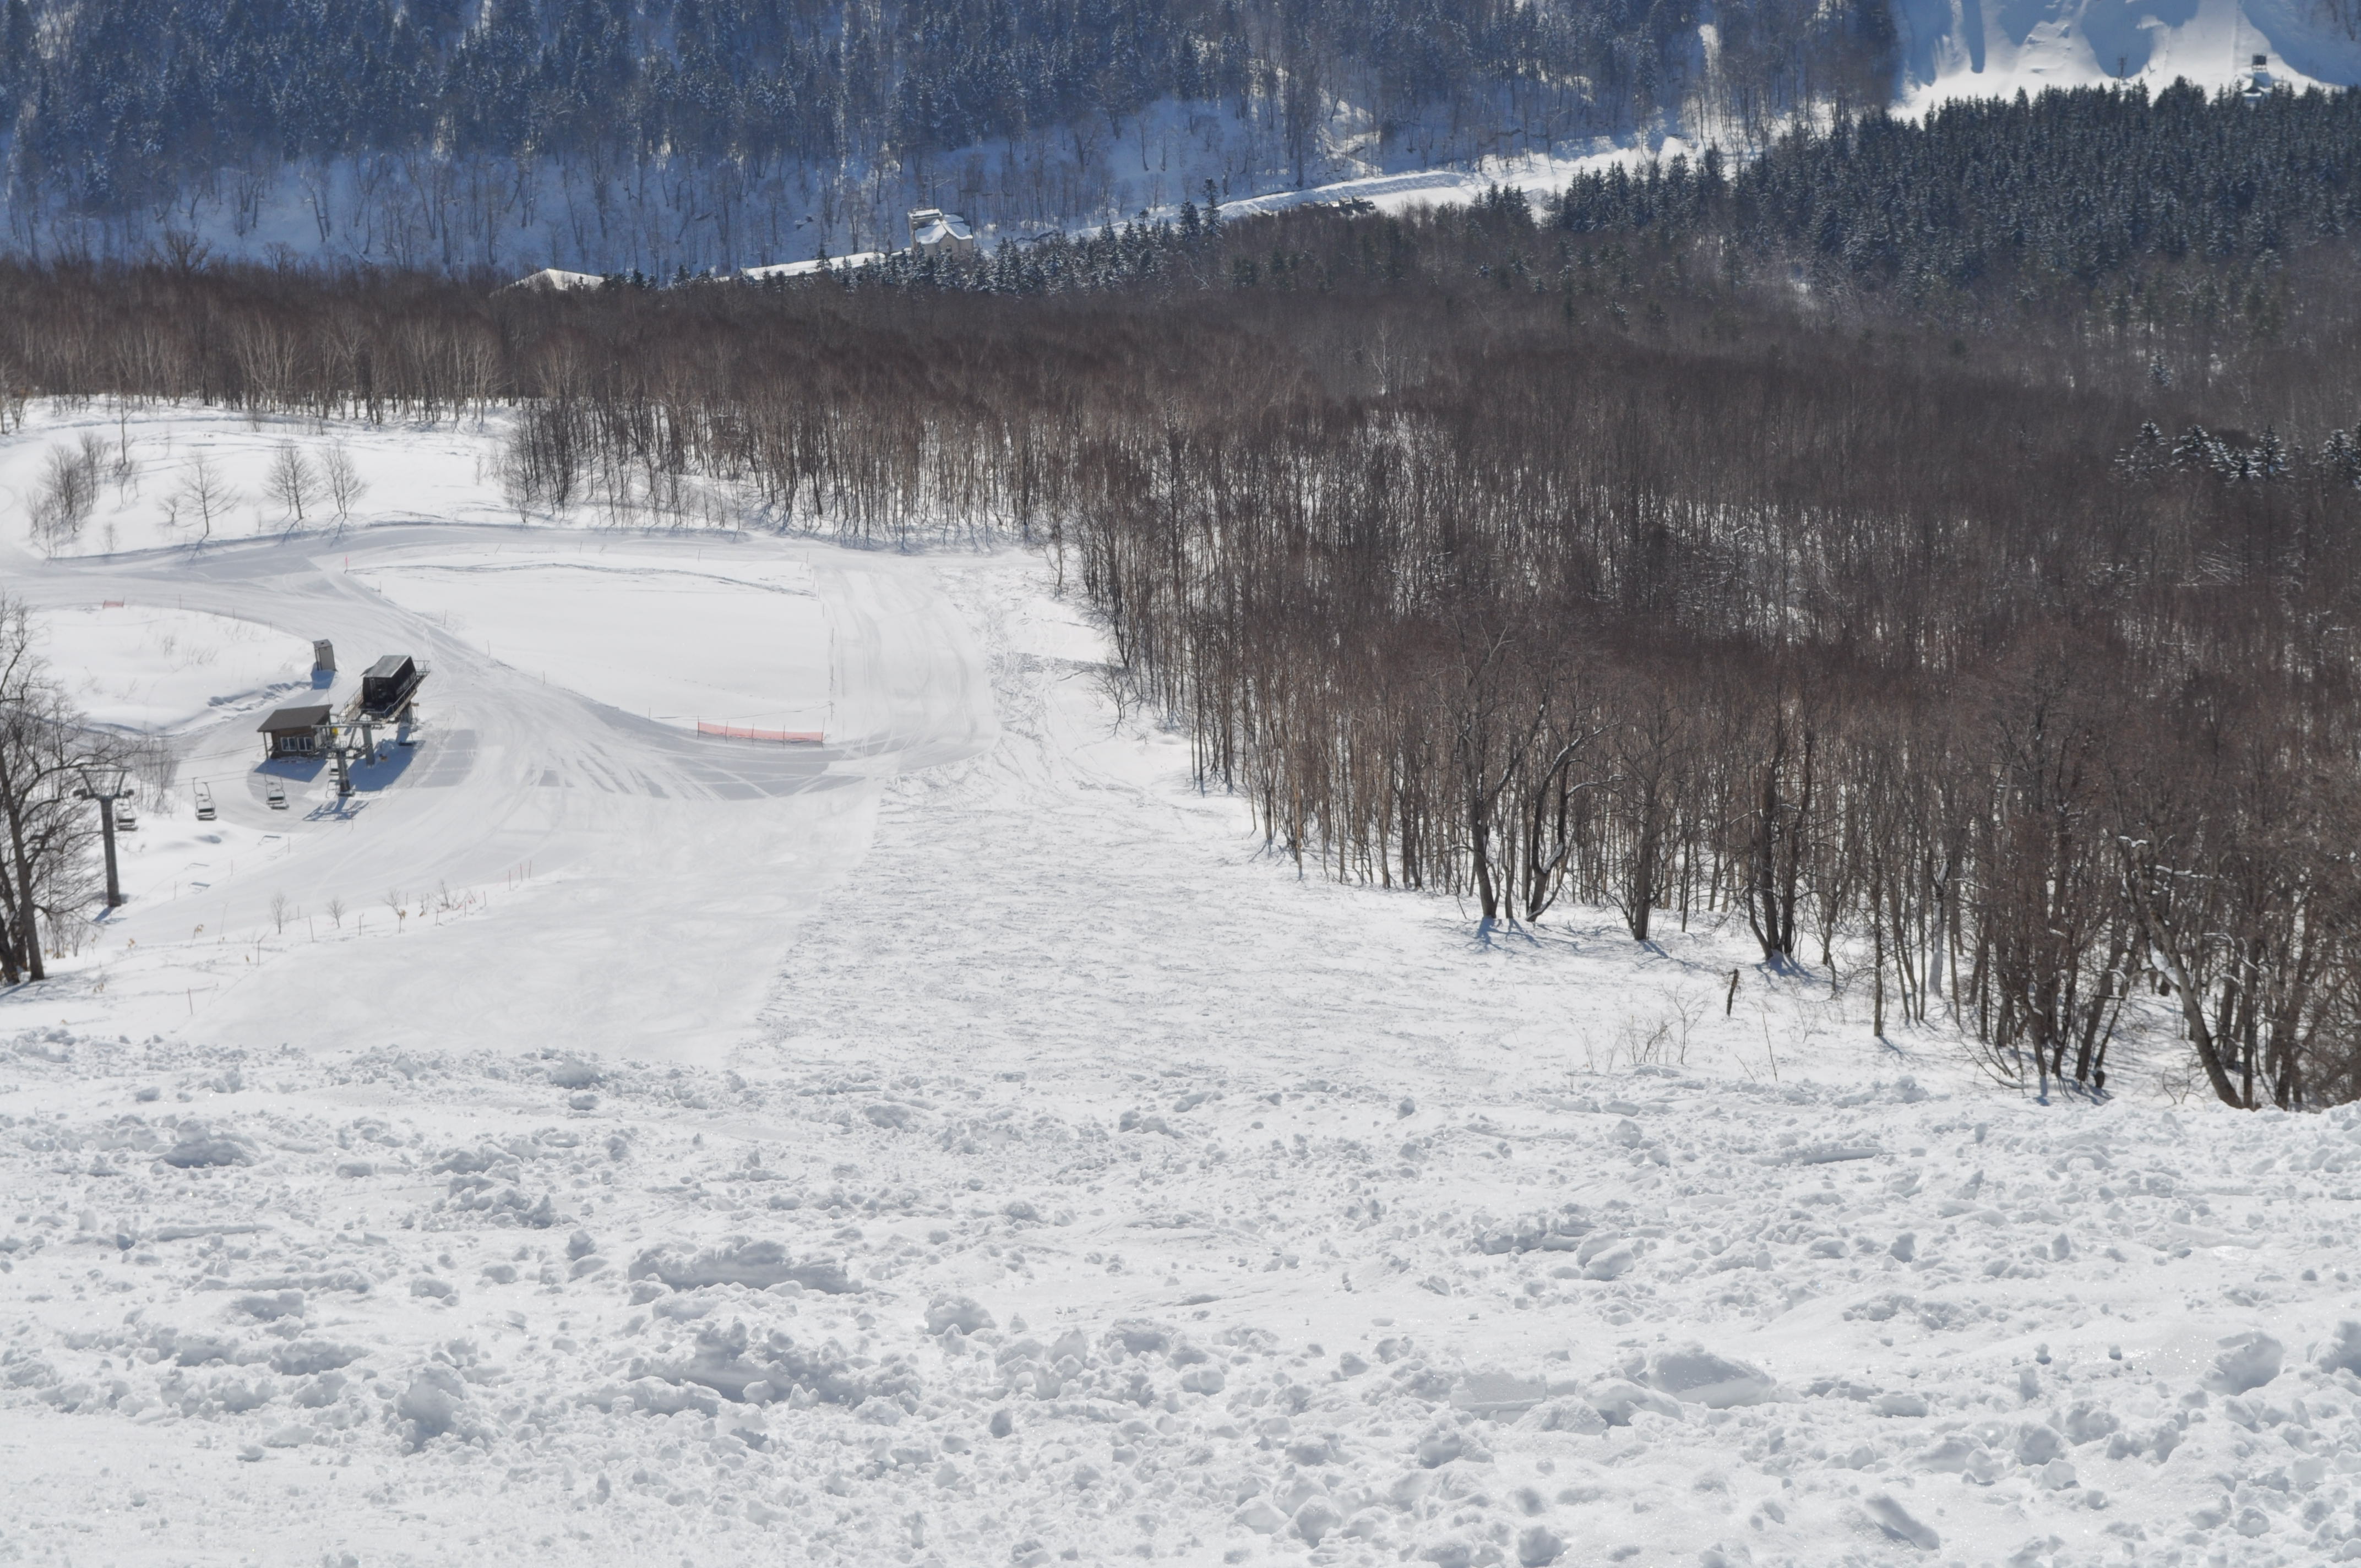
point(959, 1141)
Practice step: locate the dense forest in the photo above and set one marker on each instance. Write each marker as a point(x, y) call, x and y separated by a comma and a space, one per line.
point(660, 133)
point(2176, 208)
point(1993, 661)
point(2072, 186)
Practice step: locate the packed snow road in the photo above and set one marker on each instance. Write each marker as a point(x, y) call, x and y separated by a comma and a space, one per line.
point(1038, 1172)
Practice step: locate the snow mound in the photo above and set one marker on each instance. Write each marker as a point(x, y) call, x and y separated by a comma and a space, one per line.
point(739, 1262)
point(1696, 1375)
point(2247, 1361)
point(200, 1144)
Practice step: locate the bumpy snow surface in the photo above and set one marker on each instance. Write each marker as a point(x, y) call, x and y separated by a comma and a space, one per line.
point(959, 1142)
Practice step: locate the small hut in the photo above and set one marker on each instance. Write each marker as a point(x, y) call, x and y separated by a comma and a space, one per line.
point(292, 731)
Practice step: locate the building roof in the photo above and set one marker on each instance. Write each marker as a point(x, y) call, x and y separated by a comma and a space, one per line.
point(932, 227)
point(285, 719)
point(388, 667)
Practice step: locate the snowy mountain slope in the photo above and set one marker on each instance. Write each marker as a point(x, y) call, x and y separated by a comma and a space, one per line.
point(1956, 49)
point(1076, 1182)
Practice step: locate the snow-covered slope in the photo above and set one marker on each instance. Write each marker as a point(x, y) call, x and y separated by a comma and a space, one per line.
point(156, 670)
point(1957, 49)
point(962, 1144)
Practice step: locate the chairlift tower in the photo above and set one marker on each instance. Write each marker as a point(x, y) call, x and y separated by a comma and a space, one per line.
point(387, 698)
point(106, 784)
point(343, 742)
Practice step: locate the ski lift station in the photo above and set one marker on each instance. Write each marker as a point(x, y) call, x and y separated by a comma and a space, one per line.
point(310, 730)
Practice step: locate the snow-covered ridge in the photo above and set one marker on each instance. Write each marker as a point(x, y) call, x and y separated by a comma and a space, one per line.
point(1958, 49)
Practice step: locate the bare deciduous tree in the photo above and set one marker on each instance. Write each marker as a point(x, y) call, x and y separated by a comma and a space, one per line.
point(291, 481)
point(69, 490)
point(345, 486)
point(205, 492)
point(45, 874)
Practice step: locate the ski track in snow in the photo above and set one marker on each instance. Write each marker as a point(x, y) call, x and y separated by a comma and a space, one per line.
point(964, 1144)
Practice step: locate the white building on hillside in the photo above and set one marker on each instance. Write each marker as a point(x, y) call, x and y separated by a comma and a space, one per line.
point(932, 229)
